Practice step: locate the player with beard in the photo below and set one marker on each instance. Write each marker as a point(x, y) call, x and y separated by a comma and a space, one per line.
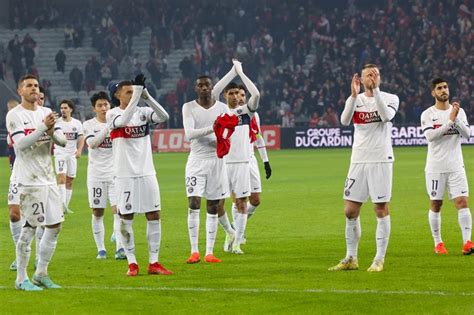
point(444, 124)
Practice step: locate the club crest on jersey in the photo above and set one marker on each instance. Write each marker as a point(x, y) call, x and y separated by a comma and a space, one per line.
point(128, 206)
point(96, 201)
point(366, 117)
point(74, 129)
point(433, 193)
point(10, 197)
point(40, 218)
point(347, 192)
point(142, 117)
point(190, 190)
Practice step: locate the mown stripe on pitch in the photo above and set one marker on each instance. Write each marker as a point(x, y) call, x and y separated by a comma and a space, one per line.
point(265, 290)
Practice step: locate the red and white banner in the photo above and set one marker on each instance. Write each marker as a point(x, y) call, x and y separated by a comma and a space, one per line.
point(173, 140)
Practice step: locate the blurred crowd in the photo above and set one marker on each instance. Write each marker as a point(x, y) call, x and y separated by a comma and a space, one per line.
point(302, 54)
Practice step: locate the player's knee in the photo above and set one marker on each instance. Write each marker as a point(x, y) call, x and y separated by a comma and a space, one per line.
point(461, 202)
point(254, 200)
point(98, 212)
point(212, 206)
point(15, 214)
point(194, 203)
point(435, 205)
point(153, 216)
point(69, 181)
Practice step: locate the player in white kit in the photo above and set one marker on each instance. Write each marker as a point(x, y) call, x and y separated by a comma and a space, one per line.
point(206, 174)
point(66, 158)
point(32, 129)
point(100, 169)
point(238, 158)
point(370, 172)
point(135, 176)
point(259, 143)
point(444, 125)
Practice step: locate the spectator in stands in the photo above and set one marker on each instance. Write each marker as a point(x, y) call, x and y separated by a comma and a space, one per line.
point(68, 35)
point(60, 61)
point(153, 67)
point(92, 73)
point(76, 77)
point(330, 117)
point(315, 120)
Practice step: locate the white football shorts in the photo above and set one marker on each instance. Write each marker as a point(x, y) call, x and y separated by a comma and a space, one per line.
point(239, 179)
point(455, 182)
point(255, 182)
point(14, 194)
point(41, 205)
point(100, 192)
point(137, 194)
point(369, 179)
point(207, 178)
point(66, 165)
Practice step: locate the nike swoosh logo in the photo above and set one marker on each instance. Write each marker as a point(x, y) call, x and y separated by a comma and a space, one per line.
point(380, 197)
point(245, 192)
point(435, 119)
point(26, 123)
point(463, 192)
point(192, 227)
point(255, 188)
point(156, 206)
point(224, 193)
point(359, 106)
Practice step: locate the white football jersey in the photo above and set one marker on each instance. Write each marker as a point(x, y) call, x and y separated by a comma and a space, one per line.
point(131, 145)
point(203, 147)
point(33, 166)
point(445, 154)
point(72, 130)
point(372, 137)
point(239, 151)
point(100, 165)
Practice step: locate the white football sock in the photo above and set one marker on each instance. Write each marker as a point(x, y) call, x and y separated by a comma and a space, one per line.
point(15, 229)
point(435, 224)
point(23, 251)
point(382, 235)
point(118, 235)
point(47, 247)
point(39, 237)
point(353, 233)
point(193, 229)
point(250, 210)
point(128, 240)
point(224, 222)
point(98, 230)
point(240, 224)
point(153, 235)
point(234, 212)
point(62, 192)
point(68, 196)
point(465, 223)
point(211, 232)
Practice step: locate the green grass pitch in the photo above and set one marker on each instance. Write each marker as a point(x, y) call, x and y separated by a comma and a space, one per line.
point(295, 235)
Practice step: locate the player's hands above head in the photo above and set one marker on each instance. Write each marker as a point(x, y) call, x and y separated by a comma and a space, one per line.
point(139, 80)
point(355, 85)
point(268, 170)
point(238, 66)
point(454, 111)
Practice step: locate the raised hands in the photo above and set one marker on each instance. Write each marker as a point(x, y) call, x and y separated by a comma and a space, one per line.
point(355, 85)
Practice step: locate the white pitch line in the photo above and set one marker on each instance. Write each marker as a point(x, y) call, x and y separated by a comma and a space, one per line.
point(266, 290)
